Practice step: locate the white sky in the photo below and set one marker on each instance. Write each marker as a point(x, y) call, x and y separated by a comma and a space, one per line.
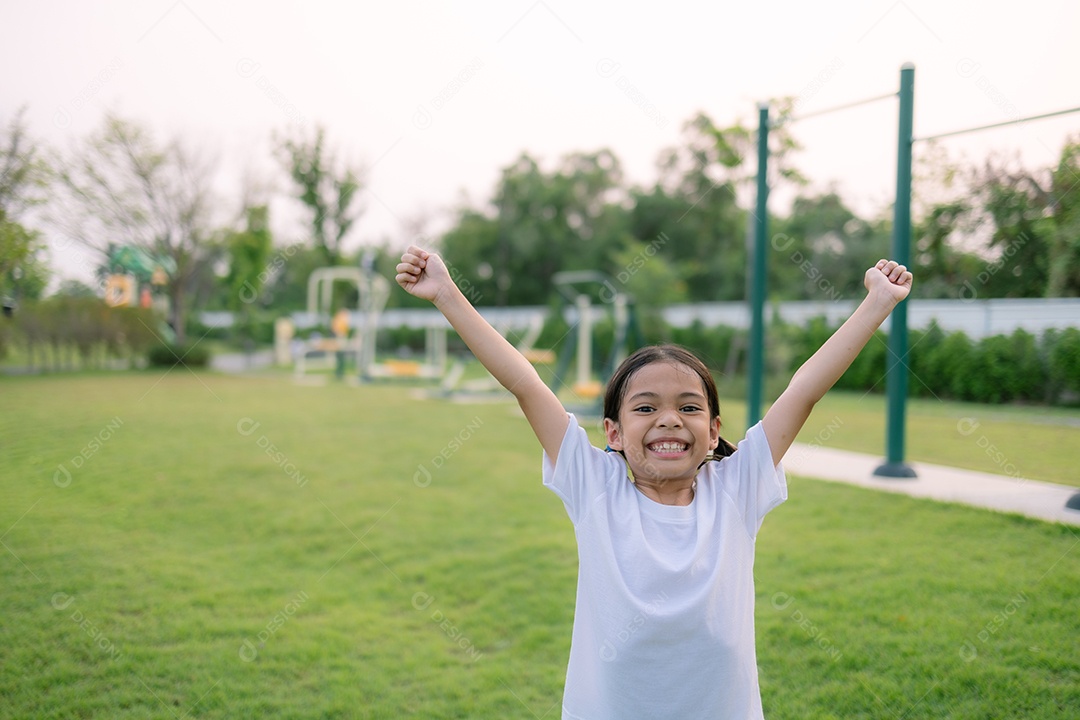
point(436, 97)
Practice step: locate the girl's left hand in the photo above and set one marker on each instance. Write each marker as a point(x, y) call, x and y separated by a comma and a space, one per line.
point(889, 279)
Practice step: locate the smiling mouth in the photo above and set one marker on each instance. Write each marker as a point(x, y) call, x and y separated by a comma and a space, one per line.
point(668, 448)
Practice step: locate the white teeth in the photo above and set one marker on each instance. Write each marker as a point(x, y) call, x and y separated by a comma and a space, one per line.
point(665, 447)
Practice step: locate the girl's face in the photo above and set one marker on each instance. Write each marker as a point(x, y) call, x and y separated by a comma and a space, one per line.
point(664, 428)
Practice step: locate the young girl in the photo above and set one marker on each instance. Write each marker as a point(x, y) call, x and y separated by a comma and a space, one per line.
point(664, 620)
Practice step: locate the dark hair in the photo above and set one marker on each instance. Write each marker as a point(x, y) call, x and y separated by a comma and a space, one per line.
point(616, 389)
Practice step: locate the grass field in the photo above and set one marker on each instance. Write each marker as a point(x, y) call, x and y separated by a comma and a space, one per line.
point(1025, 442)
point(1033, 443)
point(203, 546)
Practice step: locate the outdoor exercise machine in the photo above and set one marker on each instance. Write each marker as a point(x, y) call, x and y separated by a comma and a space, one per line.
point(357, 343)
point(372, 294)
point(573, 290)
point(454, 387)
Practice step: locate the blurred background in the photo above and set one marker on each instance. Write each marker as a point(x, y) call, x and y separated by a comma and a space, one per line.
point(201, 161)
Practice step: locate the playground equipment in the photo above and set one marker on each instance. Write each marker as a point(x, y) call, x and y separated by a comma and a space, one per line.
point(372, 292)
point(132, 276)
point(432, 368)
point(571, 288)
point(453, 388)
point(323, 353)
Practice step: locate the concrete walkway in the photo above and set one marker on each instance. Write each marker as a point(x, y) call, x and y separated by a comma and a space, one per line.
point(236, 363)
point(1042, 500)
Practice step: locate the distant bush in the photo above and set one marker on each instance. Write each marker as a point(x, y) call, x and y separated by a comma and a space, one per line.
point(996, 369)
point(721, 348)
point(169, 354)
point(1062, 362)
point(66, 332)
point(395, 340)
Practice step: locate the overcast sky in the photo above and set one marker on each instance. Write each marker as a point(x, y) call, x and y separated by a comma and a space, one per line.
point(435, 98)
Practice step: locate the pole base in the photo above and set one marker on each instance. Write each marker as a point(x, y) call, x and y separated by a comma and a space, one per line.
point(1073, 503)
point(895, 470)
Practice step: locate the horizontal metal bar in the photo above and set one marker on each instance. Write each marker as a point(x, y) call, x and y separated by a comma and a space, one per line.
point(996, 125)
point(837, 108)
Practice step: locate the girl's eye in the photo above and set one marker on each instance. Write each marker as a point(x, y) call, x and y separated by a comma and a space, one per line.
point(643, 408)
point(690, 408)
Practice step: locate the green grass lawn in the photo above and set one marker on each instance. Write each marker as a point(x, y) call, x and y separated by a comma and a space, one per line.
point(179, 545)
point(1033, 443)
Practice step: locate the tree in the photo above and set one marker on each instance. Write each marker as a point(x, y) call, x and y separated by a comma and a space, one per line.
point(1063, 223)
point(822, 249)
point(694, 204)
point(249, 251)
point(1028, 227)
point(539, 223)
point(329, 188)
point(120, 186)
point(23, 177)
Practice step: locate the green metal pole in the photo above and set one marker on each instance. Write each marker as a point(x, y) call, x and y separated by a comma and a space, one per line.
point(757, 280)
point(897, 377)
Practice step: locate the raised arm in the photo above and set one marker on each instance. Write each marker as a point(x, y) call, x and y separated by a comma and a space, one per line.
point(424, 275)
point(887, 283)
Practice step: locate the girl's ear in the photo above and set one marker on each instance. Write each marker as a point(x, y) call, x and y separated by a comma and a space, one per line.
point(612, 434)
point(714, 433)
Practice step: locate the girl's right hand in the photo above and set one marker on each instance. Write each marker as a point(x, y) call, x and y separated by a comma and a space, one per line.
point(423, 274)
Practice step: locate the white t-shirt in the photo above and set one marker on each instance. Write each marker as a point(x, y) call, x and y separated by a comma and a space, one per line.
point(664, 625)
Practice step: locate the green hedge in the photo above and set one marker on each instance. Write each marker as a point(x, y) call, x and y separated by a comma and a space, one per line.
point(167, 355)
point(1004, 368)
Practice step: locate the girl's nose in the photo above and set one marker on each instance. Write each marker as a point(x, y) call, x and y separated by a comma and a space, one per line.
point(668, 418)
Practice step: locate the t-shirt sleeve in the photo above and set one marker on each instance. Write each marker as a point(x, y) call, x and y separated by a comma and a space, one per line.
point(580, 473)
point(750, 479)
